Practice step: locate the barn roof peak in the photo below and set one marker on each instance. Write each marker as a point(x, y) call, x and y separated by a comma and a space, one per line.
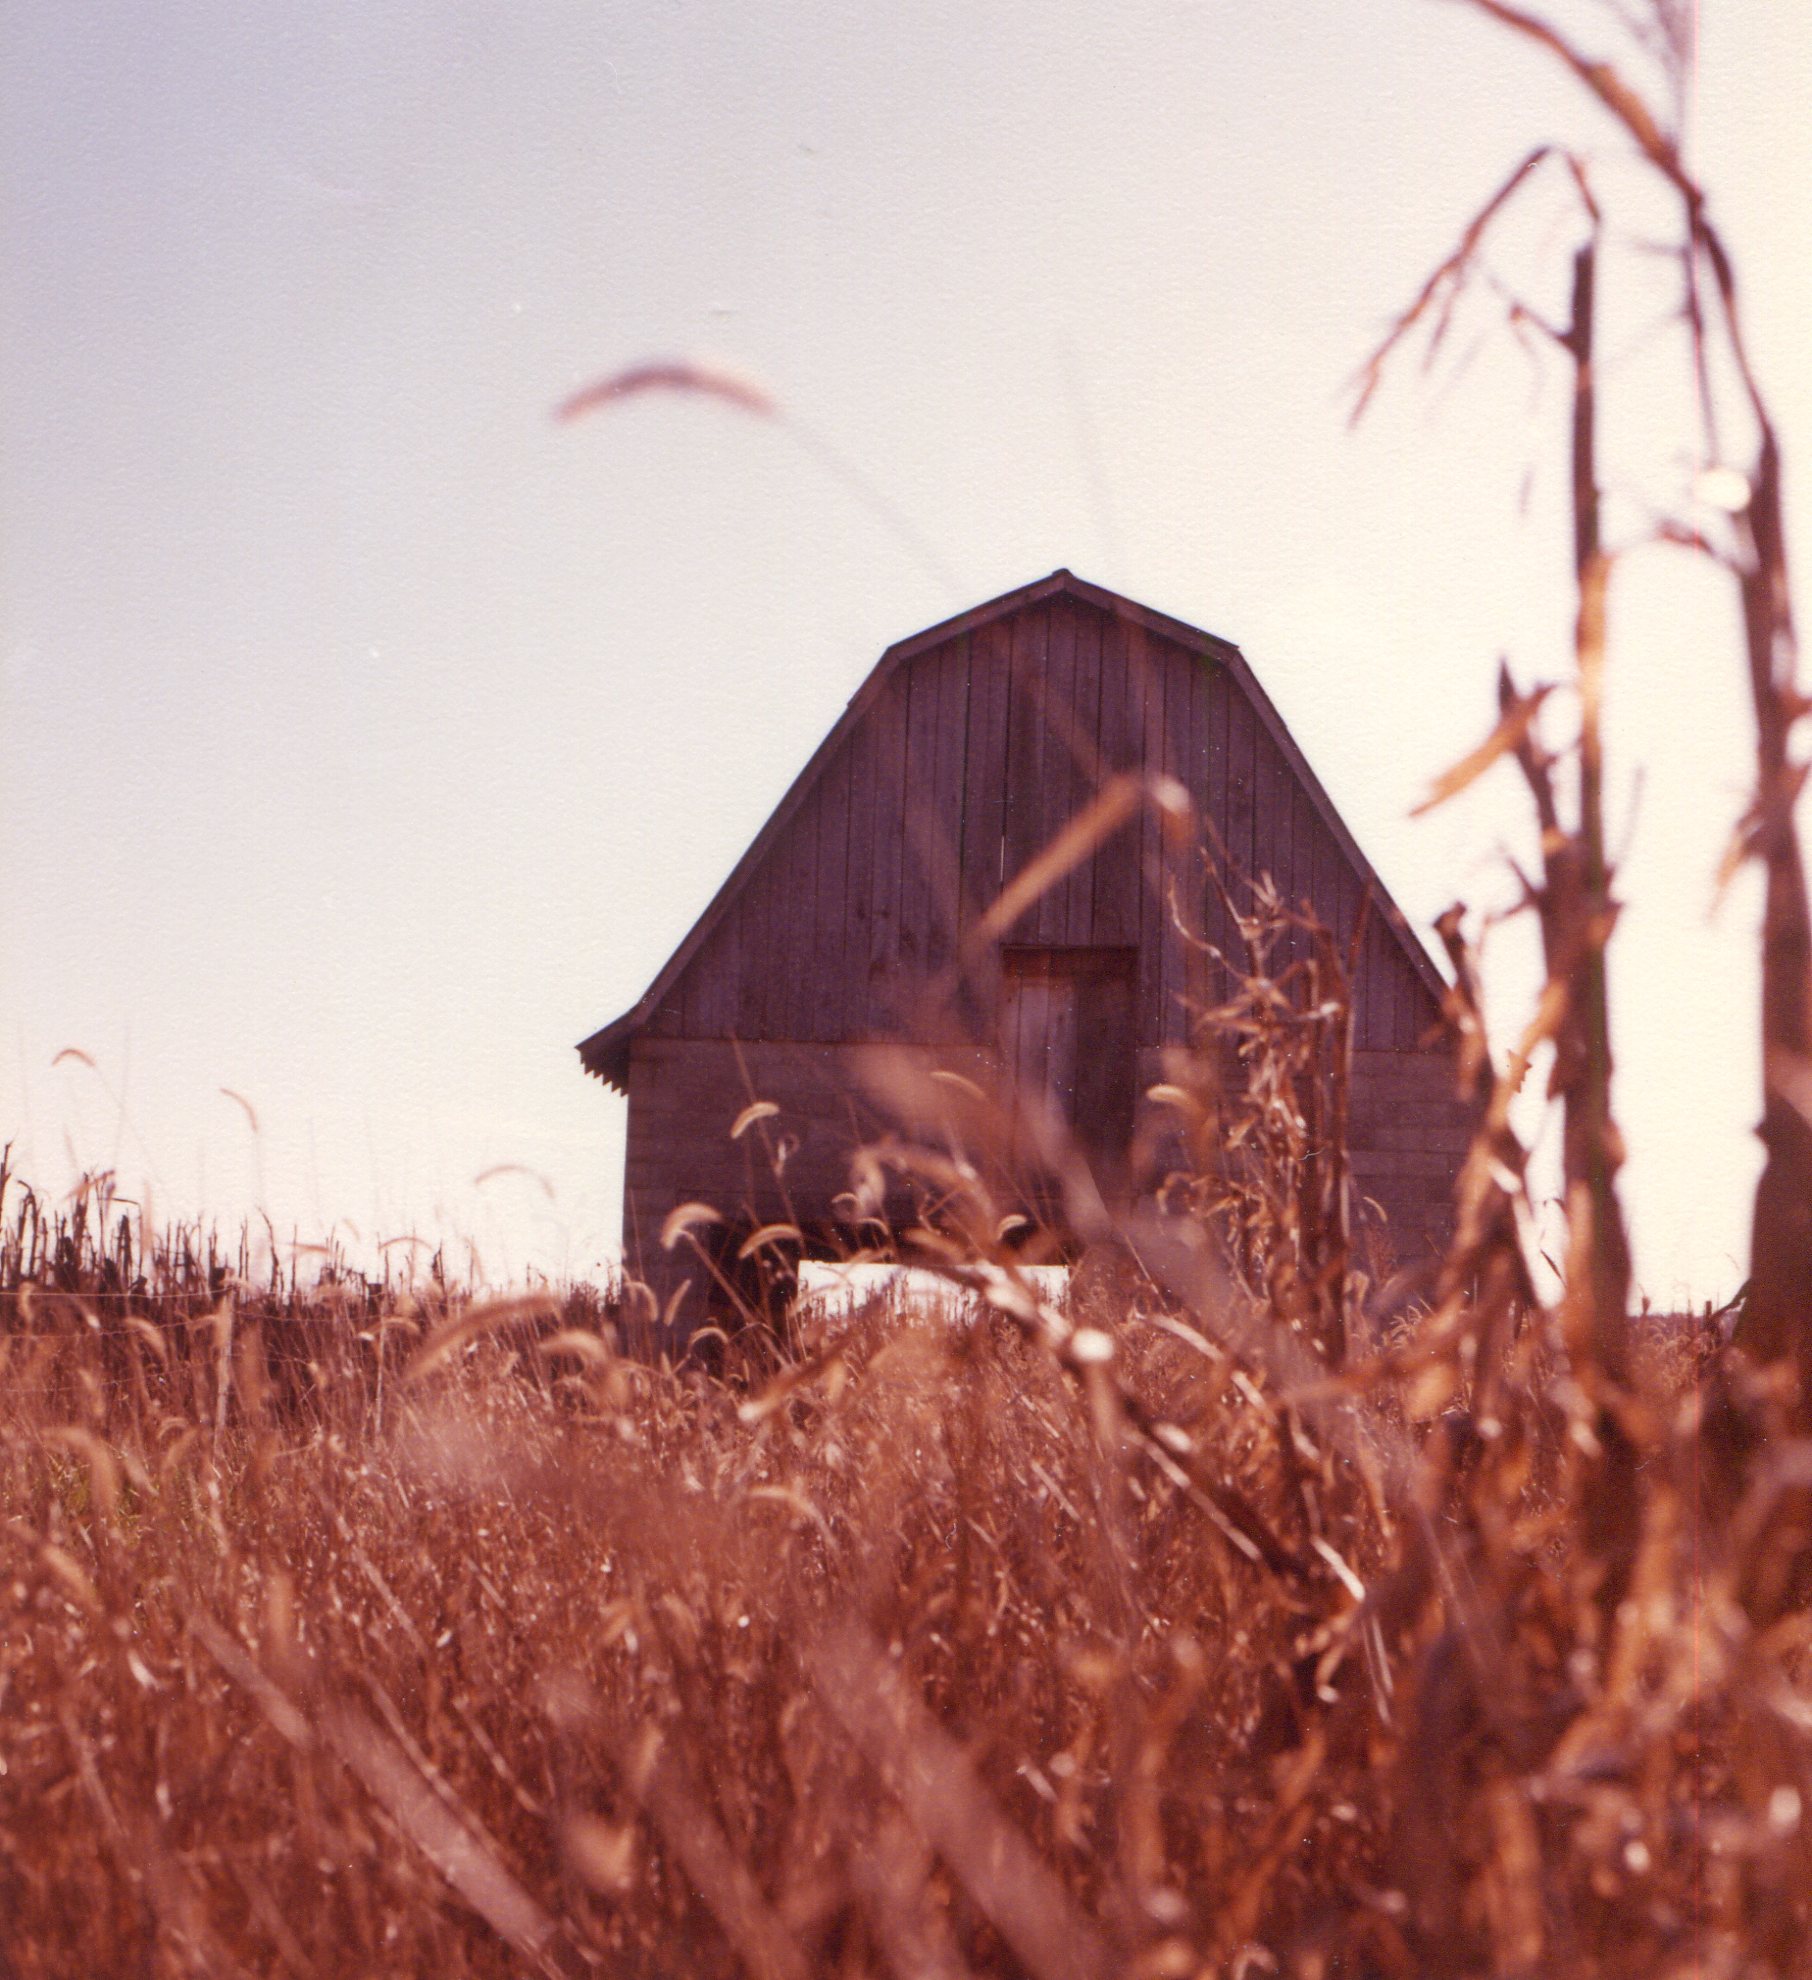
point(1062, 582)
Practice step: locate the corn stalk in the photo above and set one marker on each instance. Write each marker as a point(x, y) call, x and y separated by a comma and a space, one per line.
point(1776, 1325)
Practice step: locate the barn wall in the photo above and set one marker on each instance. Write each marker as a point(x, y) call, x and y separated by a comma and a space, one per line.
point(686, 1093)
point(1408, 1135)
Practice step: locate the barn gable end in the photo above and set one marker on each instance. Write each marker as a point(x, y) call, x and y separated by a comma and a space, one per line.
point(963, 754)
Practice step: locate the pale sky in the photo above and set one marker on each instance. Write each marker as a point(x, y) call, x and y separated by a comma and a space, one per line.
point(367, 739)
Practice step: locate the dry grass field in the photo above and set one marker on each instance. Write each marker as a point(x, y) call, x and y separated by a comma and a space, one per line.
point(884, 1658)
point(360, 1631)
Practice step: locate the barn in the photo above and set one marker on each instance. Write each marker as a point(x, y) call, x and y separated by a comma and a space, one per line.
point(860, 931)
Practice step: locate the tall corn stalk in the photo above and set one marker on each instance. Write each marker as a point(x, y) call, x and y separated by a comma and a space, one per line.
point(1643, 1644)
point(1777, 1323)
point(1573, 896)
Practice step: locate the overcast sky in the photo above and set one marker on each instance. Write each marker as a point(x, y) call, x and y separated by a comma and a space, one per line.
point(367, 738)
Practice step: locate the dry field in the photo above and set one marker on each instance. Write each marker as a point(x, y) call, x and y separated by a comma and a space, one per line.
point(351, 1631)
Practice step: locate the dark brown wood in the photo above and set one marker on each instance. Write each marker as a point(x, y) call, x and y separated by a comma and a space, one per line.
point(755, 922)
point(712, 988)
point(1057, 795)
point(1324, 867)
point(1082, 632)
point(1023, 826)
point(1299, 882)
point(887, 829)
point(983, 851)
point(1069, 1038)
point(943, 848)
point(859, 883)
point(1115, 876)
point(1216, 920)
point(1378, 1014)
point(1145, 681)
point(797, 963)
point(920, 826)
point(1270, 813)
point(1055, 801)
point(1236, 828)
point(1409, 1002)
point(984, 781)
point(1177, 855)
point(827, 993)
point(1192, 872)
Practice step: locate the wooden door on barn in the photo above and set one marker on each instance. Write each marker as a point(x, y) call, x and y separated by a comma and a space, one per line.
point(1070, 1045)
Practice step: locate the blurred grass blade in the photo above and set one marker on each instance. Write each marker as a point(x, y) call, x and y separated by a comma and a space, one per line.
point(950, 1808)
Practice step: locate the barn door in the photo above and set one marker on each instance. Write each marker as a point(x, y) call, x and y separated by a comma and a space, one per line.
point(1068, 1042)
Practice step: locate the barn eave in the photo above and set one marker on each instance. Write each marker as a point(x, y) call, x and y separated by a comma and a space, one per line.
point(605, 1054)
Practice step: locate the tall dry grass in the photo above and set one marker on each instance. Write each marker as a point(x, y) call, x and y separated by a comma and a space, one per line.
point(900, 1660)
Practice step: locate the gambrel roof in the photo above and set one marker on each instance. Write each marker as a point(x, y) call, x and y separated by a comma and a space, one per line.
point(606, 1052)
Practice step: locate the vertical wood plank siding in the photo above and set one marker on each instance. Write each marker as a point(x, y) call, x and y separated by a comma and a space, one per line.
point(1177, 865)
point(887, 826)
point(860, 747)
point(1078, 716)
point(1217, 921)
point(941, 819)
point(1115, 878)
point(1237, 806)
point(825, 998)
point(984, 806)
point(1025, 739)
point(919, 824)
point(969, 758)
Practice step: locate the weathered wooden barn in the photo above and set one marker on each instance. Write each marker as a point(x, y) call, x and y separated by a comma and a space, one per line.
point(852, 929)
